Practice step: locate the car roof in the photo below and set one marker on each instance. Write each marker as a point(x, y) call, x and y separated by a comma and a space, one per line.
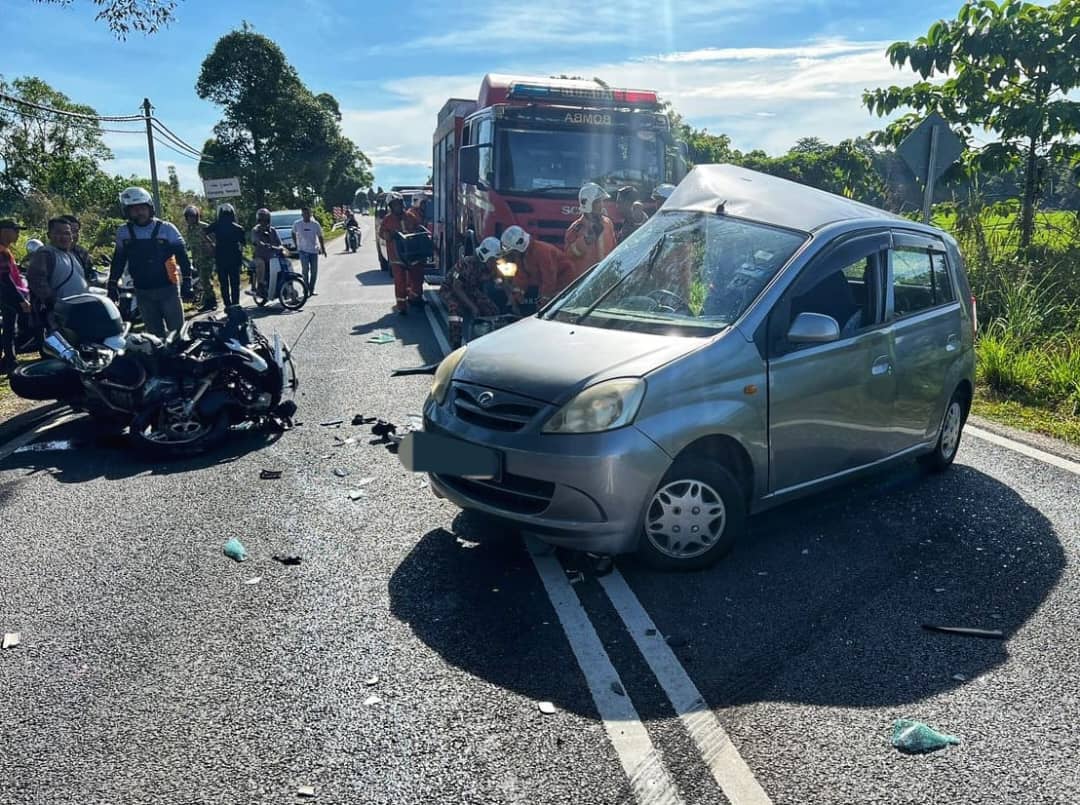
point(285, 212)
point(769, 199)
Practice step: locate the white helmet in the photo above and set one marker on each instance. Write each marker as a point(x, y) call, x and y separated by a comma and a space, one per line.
point(663, 192)
point(589, 195)
point(488, 248)
point(514, 239)
point(392, 197)
point(33, 245)
point(133, 196)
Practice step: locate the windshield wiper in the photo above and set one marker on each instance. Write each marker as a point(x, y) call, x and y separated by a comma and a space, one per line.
point(653, 254)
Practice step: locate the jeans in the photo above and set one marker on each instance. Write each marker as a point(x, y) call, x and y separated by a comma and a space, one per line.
point(229, 277)
point(309, 262)
point(161, 309)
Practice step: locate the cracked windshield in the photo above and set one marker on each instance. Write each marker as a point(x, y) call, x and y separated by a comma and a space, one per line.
point(632, 402)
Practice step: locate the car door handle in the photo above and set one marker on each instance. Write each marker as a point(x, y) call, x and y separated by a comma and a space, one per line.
point(882, 366)
point(952, 343)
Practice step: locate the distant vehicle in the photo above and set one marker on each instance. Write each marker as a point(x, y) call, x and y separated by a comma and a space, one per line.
point(519, 154)
point(282, 221)
point(756, 340)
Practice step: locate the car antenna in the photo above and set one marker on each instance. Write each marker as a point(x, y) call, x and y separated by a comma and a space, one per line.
point(720, 207)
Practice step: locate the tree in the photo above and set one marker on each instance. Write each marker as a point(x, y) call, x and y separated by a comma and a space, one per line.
point(1008, 70)
point(284, 142)
point(124, 16)
point(43, 152)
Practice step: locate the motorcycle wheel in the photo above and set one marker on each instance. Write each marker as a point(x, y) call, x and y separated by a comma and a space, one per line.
point(49, 379)
point(293, 293)
point(162, 430)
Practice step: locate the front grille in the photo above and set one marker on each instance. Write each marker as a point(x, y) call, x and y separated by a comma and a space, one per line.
point(507, 413)
point(514, 493)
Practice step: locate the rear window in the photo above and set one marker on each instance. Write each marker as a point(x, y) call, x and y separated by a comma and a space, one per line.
point(280, 219)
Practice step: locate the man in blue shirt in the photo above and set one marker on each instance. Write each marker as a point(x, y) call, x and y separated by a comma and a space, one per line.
point(151, 250)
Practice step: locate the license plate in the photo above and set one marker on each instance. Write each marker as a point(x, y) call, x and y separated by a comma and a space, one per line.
point(421, 451)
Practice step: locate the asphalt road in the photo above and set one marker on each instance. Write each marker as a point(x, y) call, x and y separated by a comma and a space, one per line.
point(150, 672)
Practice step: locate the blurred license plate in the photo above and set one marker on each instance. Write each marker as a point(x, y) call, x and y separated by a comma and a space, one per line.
point(444, 455)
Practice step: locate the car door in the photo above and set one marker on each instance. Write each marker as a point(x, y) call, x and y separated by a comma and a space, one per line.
point(924, 307)
point(831, 404)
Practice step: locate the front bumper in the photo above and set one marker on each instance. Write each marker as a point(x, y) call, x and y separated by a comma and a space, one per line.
point(586, 492)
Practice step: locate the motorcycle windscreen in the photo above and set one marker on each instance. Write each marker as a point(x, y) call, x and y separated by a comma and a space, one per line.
point(89, 318)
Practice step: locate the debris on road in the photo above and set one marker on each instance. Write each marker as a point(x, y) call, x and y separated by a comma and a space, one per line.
point(366, 481)
point(340, 473)
point(270, 475)
point(914, 737)
point(11, 639)
point(383, 429)
point(650, 633)
point(547, 708)
point(254, 580)
point(959, 678)
point(381, 338)
point(234, 549)
point(372, 700)
point(805, 551)
point(356, 494)
point(617, 688)
point(306, 791)
point(575, 576)
point(429, 369)
point(360, 419)
point(676, 641)
point(333, 423)
point(287, 560)
point(345, 442)
point(372, 680)
point(466, 543)
point(964, 631)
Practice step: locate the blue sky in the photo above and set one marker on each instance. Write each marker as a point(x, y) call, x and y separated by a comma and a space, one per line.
point(766, 72)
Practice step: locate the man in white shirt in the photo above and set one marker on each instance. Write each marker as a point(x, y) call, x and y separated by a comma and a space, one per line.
point(308, 237)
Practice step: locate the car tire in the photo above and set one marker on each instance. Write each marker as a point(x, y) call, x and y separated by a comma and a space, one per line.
point(695, 498)
point(949, 434)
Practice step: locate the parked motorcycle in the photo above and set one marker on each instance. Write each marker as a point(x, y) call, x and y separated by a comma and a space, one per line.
point(283, 283)
point(177, 396)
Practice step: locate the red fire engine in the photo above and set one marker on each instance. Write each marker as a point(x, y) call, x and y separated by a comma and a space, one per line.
point(522, 150)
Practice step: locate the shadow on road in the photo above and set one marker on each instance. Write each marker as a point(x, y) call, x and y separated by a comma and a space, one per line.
point(411, 330)
point(823, 603)
point(91, 455)
point(375, 276)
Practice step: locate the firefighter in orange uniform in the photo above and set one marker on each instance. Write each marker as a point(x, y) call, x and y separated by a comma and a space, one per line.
point(543, 269)
point(591, 237)
point(464, 289)
point(392, 223)
point(413, 221)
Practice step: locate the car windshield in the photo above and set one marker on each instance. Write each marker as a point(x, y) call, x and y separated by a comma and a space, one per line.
point(684, 271)
point(560, 162)
point(283, 219)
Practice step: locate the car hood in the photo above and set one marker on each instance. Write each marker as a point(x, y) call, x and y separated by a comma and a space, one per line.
point(552, 361)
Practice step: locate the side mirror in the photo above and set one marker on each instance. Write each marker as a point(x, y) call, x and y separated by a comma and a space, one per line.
point(469, 164)
point(813, 328)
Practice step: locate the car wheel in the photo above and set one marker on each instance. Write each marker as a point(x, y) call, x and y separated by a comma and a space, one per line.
point(694, 518)
point(948, 442)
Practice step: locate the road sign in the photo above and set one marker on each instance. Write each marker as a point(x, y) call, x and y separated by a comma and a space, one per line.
point(221, 188)
point(915, 149)
point(929, 151)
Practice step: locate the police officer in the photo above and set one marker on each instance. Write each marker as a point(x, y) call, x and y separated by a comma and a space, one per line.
point(155, 255)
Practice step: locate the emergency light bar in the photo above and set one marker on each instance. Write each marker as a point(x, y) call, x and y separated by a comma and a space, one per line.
point(607, 97)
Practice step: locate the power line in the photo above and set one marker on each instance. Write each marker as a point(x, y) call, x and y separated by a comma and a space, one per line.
point(179, 144)
point(175, 138)
point(35, 116)
point(181, 153)
point(66, 113)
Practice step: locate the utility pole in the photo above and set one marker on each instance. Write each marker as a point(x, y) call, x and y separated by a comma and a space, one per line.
point(931, 174)
point(153, 161)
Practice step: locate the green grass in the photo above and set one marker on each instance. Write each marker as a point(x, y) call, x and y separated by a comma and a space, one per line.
point(1050, 421)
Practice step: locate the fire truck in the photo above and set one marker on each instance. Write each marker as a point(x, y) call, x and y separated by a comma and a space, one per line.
point(521, 151)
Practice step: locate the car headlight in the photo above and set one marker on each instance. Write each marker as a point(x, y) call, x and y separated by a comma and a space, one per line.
point(605, 406)
point(441, 384)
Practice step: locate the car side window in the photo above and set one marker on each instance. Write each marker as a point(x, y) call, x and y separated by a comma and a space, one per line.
point(920, 281)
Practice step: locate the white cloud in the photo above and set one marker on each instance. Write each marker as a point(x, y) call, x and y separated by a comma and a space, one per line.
point(818, 50)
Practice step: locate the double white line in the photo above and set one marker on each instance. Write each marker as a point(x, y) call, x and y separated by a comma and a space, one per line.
point(650, 780)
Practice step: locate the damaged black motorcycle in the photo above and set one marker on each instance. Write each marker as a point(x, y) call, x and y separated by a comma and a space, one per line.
point(176, 397)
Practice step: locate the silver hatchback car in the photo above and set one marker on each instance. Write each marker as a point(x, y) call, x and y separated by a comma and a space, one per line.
point(755, 341)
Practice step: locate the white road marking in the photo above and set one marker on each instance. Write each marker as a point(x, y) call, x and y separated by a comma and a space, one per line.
point(47, 447)
point(649, 778)
point(444, 345)
point(1027, 450)
point(20, 441)
point(727, 766)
